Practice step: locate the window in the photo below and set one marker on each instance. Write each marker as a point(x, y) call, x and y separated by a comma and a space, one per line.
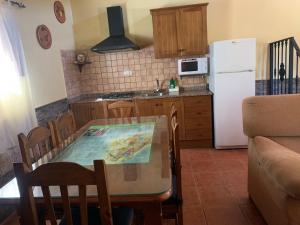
point(16, 111)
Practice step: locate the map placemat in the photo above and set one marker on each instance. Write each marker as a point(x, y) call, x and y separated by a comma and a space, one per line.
point(116, 144)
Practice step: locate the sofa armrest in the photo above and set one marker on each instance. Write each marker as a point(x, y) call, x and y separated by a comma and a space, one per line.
point(281, 164)
point(272, 116)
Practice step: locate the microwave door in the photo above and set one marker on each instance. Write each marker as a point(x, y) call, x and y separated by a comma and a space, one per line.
point(188, 67)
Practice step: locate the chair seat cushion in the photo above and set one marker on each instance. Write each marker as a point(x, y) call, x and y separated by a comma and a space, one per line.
point(121, 216)
point(173, 200)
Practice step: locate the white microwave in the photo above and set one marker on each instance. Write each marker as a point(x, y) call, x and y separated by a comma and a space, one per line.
point(193, 66)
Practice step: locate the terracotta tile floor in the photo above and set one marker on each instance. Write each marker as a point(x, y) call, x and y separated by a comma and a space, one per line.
point(214, 189)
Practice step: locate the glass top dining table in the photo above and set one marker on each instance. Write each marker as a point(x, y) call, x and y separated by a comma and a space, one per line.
point(136, 152)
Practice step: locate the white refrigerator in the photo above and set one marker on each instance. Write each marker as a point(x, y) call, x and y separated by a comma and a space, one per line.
point(232, 79)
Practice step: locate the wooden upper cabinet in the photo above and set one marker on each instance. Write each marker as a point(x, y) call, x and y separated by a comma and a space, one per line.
point(180, 31)
point(192, 31)
point(165, 33)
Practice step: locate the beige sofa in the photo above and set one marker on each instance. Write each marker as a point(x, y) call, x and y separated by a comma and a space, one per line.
point(272, 124)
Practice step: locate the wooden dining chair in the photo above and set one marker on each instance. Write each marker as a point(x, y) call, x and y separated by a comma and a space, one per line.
point(36, 144)
point(173, 114)
point(172, 208)
point(64, 129)
point(174, 111)
point(63, 175)
point(120, 109)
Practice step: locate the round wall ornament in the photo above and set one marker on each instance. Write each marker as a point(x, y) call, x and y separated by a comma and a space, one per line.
point(81, 58)
point(44, 36)
point(59, 11)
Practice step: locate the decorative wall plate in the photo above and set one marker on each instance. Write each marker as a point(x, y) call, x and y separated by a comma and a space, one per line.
point(59, 12)
point(44, 36)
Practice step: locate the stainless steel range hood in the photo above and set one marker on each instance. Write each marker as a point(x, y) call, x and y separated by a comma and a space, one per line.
point(117, 39)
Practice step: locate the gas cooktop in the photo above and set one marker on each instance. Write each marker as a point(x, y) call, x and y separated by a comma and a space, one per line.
point(117, 95)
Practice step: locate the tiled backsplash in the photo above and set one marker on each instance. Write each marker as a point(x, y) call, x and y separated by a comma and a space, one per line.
point(121, 71)
point(72, 74)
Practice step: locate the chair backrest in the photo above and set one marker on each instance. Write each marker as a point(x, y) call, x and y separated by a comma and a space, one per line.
point(36, 144)
point(70, 174)
point(176, 154)
point(121, 109)
point(64, 129)
point(173, 114)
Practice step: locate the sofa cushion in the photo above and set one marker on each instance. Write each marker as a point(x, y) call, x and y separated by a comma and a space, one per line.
point(272, 116)
point(292, 143)
point(281, 164)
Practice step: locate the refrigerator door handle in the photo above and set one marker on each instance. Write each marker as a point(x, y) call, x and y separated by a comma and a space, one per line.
point(239, 71)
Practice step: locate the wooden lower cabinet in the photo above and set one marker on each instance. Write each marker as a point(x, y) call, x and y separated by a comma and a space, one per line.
point(194, 116)
point(161, 106)
point(87, 111)
point(82, 113)
point(97, 110)
point(198, 121)
point(150, 107)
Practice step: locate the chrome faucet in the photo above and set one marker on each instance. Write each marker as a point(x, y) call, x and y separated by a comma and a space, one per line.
point(157, 86)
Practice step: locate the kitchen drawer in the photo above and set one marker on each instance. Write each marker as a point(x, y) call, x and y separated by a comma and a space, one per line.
point(197, 106)
point(196, 134)
point(195, 114)
point(197, 101)
point(204, 122)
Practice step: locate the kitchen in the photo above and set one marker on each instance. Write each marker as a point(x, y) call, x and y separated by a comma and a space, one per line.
point(155, 75)
point(140, 72)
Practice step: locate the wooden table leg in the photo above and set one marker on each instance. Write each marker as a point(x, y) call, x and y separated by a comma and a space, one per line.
point(153, 214)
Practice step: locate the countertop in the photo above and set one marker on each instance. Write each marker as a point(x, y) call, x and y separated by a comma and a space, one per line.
point(140, 95)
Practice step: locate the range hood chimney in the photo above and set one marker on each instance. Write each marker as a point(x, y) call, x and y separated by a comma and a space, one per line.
point(116, 40)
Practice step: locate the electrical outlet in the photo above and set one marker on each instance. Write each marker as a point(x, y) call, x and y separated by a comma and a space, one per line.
point(127, 73)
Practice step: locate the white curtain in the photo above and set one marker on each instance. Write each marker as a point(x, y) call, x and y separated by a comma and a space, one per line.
point(16, 111)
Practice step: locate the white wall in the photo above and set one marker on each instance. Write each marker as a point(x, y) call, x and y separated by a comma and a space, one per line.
point(45, 66)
